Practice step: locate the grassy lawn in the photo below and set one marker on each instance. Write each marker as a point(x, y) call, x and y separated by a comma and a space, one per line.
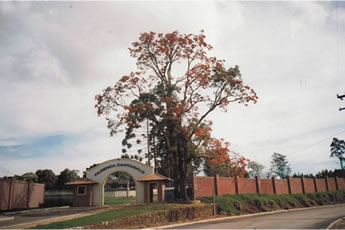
point(108, 215)
point(118, 200)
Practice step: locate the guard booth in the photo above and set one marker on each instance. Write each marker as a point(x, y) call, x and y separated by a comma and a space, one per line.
point(82, 192)
point(89, 191)
point(154, 187)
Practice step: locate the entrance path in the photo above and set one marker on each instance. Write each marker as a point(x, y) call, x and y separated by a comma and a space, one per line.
point(32, 218)
point(36, 217)
point(311, 218)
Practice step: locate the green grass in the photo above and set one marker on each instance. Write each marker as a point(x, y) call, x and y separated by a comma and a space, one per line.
point(118, 200)
point(236, 204)
point(107, 215)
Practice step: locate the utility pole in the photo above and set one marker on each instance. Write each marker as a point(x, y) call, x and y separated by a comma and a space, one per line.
point(341, 97)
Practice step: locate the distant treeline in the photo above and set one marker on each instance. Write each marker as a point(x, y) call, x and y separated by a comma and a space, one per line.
point(322, 174)
point(48, 177)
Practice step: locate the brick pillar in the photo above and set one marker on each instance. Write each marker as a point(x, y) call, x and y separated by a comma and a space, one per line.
point(327, 183)
point(163, 192)
point(159, 192)
point(289, 184)
point(315, 184)
point(91, 187)
point(303, 184)
point(29, 184)
point(274, 185)
point(237, 187)
point(258, 184)
point(146, 192)
point(336, 183)
point(10, 194)
point(216, 185)
point(195, 187)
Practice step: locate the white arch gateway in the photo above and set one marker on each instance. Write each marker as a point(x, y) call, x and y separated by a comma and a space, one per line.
point(102, 171)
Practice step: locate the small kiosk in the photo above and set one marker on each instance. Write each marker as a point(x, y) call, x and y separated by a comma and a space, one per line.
point(151, 183)
point(82, 192)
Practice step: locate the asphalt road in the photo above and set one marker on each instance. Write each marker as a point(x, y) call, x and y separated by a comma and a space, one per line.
point(41, 215)
point(315, 218)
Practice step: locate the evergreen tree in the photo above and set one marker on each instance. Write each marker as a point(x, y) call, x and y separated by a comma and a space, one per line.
point(280, 165)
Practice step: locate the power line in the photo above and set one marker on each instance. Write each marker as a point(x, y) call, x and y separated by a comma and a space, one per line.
point(338, 71)
point(341, 97)
point(316, 143)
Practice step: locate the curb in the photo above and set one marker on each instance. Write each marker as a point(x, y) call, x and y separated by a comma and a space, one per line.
point(334, 222)
point(4, 218)
point(48, 221)
point(34, 210)
point(239, 217)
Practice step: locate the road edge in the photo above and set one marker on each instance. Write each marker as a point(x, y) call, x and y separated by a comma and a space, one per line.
point(34, 210)
point(5, 218)
point(237, 217)
point(51, 220)
point(334, 222)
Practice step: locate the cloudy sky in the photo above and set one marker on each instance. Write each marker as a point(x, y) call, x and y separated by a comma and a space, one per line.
point(56, 56)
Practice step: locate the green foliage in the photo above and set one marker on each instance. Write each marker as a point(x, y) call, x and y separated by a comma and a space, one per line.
point(338, 150)
point(299, 175)
point(330, 173)
point(107, 216)
point(65, 176)
point(29, 176)
point(47, 177)
point(236, 204)
point(255, 169)
point(118, 200)
point(280, 166)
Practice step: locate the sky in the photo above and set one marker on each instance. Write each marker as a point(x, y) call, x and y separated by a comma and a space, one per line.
point(56, 56)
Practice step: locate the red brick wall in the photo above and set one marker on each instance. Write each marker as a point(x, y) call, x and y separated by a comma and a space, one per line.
point(247, 185)
point(266, 186)
point(4, 194)
point(19, 197)
point(321, 185)
point(226, 185)
point(296, 185)
point(341, 183)
point(18, 194)
point(205, 186)
point(282, 186)
point(36, 195)
point(309, 186)
point(331, 184)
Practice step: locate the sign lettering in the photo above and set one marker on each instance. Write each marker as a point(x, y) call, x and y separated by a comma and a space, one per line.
point(120, 165)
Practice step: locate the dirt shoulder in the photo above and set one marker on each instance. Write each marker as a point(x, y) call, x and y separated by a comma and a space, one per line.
point(339, 224)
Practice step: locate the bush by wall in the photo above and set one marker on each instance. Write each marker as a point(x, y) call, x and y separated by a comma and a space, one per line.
point(156, 218)
point(236, 204)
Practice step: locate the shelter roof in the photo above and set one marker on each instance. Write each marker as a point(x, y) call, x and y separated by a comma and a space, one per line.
point(154, 177)
point(82, 181)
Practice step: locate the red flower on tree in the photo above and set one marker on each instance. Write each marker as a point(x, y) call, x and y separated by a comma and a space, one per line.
point(175, 104)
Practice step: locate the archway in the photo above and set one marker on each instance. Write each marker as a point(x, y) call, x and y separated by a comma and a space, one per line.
point(102, 171)
point(119, 188)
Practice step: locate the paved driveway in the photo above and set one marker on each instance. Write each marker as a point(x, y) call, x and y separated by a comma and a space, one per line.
point(314, 218)
point(43, 215)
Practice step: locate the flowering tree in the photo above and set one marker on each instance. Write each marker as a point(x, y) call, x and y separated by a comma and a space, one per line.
point(177, 85)
point(223, 162)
